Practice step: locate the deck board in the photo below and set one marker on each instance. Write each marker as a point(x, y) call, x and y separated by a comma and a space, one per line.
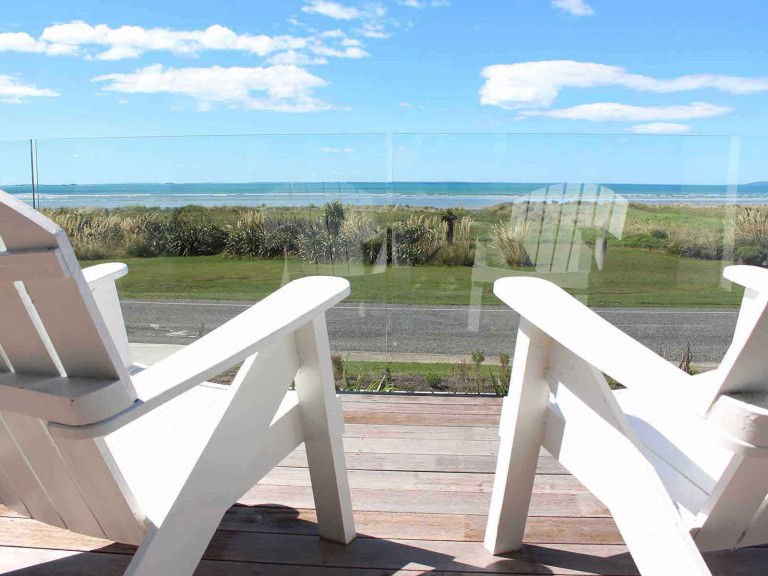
point(421, 471)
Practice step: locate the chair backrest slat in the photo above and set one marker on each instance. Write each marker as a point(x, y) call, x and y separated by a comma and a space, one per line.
point(23, 228)
point(53, 324)
point(79, 347)
point(50, 325)
point(33, 264)
point(21, 340)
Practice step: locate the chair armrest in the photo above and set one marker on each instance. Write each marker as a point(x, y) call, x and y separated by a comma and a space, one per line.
point(577, 328)
point(99, 273)
point(280, 313)
point(751, 277)
point(101, 280)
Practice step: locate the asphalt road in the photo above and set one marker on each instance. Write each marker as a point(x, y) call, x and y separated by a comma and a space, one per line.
point(436, 329)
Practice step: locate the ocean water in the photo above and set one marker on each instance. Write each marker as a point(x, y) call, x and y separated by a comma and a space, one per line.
point(438, 194)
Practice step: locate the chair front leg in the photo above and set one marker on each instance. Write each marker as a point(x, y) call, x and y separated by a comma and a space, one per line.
point(323, 427)
point(521, 431)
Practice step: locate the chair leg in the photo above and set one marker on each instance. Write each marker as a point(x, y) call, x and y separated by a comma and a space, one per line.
point(521, 430)
point(176, 547)
point(323, 426)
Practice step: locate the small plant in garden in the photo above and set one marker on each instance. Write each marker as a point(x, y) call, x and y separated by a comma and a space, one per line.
point(501, 383)
point(478, 357)
point(384, 383)
point(338, 364)
point(434, 381)
point(686, 359)
point(355, 386)
point(461, 374)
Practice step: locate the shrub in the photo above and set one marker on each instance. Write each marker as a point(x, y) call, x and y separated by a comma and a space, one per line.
point(753, 255)
point(255, 236)
point(458, 254)
point(316, 245)
point(187, 236)
point(690, 246)
point(751, 227)
point(94, 234)
point(371, 249)
point(280, 237)
point(247, 237)
point(416, 241)
point(648, 241)
point(509, 241)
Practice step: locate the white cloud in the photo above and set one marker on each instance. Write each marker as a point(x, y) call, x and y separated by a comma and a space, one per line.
point(62, 50)
point(338, 150)
point(421, 4)
point(372, 16)
point(102, 42)
point(537, 84)
point(20, 42)
point(614, 112)
point(373, 30)
point(282, 88)
point(350, 52)
point(575, 7)
point(14, 91)
point(295, 58)
point(405, 104)
point(332, 10)
point(660, 128)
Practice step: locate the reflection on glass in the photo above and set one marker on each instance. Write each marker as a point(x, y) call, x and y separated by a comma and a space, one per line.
point(638, 227)
point(554, 232)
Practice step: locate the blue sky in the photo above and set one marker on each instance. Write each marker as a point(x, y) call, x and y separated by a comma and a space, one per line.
point(624, 69)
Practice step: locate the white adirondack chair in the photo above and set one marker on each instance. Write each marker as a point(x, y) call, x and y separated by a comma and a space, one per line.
point(156, 457)
point(680, 461)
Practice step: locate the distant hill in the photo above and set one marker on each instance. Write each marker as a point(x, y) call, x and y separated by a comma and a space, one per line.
point(763, 183)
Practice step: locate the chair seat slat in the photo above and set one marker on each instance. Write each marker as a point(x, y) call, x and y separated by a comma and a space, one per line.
point(24, 480)
point(73, 401)
point(10, 496)
point(43, 457)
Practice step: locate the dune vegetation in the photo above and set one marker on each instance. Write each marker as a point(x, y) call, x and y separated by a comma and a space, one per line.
point(662, 255)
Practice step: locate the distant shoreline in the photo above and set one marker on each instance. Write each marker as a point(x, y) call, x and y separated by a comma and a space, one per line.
point(438, 195)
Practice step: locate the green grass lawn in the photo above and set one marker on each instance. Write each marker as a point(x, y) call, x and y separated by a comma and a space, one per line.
point(630, 277)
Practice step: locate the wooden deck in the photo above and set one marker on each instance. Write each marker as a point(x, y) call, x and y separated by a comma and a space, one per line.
point(421, 470)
